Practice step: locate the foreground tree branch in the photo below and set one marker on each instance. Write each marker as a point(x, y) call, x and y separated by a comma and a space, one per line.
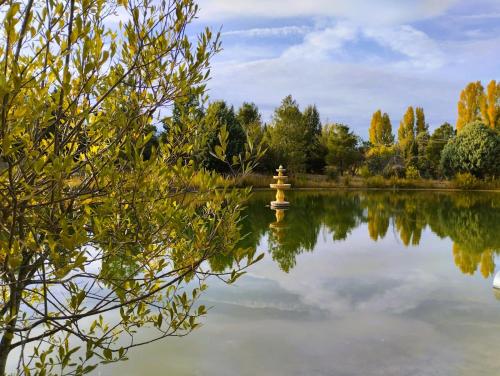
point(90, 227)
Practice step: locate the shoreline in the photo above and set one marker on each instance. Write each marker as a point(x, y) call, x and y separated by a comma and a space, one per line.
point(340, 188)
point(323, 182)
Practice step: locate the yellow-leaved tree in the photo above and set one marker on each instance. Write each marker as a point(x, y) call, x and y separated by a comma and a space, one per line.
point(406, 135)
point(381, 129)
point(477, 105)
point(490, 105)
point(91, 227)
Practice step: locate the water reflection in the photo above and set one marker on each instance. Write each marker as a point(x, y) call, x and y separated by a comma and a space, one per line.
point(470, 220)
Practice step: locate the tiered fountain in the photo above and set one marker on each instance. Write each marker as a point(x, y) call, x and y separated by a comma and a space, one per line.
point(280, 187)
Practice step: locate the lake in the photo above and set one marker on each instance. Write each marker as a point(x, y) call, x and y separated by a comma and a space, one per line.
point(352, 283)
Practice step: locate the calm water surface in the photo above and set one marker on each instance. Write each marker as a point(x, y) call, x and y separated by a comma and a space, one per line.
point(353, 283)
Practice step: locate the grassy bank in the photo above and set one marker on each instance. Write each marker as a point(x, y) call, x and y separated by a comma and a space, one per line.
point(323, 181)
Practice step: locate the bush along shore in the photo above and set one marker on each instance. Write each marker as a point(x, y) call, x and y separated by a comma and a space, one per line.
point(463, 181)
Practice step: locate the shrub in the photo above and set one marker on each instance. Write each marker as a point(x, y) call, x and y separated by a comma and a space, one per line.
point(412, 173)
point(476, 150)
point(347, 180)
point(376, 182)
point(331, 172)
point(364, 172)
point(384, 160)
point(465, 180)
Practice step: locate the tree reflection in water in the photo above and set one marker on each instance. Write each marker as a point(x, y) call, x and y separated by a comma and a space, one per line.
point(471, 220)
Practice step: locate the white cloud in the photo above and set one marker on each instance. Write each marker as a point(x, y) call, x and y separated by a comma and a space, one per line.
point(269, 31)
point(373, 12)
point(347, 92)
point(345, 65)
point(415, 44)
point(317, 44)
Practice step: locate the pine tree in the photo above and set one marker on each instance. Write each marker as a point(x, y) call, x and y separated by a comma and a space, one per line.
point(469, 105)
point(250, 119)
point(286, 136)
point(315, 158)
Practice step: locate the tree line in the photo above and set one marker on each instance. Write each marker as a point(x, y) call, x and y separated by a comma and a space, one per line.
point(299, 140)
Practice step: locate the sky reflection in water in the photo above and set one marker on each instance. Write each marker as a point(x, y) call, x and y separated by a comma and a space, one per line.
point(354, 283)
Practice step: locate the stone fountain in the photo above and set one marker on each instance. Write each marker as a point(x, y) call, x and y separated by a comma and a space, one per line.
point(280, 187)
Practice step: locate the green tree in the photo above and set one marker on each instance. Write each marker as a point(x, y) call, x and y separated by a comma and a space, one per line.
point(476, 150)
point(89, 226)
point(286, 136)
point(219, 116)
point(341, 146)
point(423, 163)
point(186, 110)
point(437, 141)
point(250, 120)
point(406, 136)
point(315, 154)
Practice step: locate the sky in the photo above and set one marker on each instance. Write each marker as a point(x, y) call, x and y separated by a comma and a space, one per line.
point(353, 57)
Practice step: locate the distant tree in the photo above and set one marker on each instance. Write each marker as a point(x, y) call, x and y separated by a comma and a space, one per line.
point(423, 164)
point(375, 125)
point(437, 141)
point(220, 116)
point(385, 160)
point(315, 155)
point(286, 136)
point(186, 109)
point(406, 136)
point(381, 129)
point(250, 119)
point(469, 105)
point(341, 146)
point(421, 125)
point(490, 105)
point(386, 136)
point(476, 150)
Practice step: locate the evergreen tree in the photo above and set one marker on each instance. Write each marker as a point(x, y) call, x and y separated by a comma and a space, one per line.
point(250, 119)
point(218, 116)
point(315, 159)
point(437, 141)
point(423, 164)
point(286, 136)
point(476, 150)
point(342, 147)
point(469, 105)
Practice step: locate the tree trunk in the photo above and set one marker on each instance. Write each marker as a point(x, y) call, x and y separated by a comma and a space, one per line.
point(4, 354)
point(5, 343)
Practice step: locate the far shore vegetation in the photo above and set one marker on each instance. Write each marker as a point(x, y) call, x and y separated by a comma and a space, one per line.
point(461, 156)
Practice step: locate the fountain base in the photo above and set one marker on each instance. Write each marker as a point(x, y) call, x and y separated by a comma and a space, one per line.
point(279, 204)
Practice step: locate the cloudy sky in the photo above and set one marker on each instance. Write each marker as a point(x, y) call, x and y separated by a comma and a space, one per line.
point(352, 57)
